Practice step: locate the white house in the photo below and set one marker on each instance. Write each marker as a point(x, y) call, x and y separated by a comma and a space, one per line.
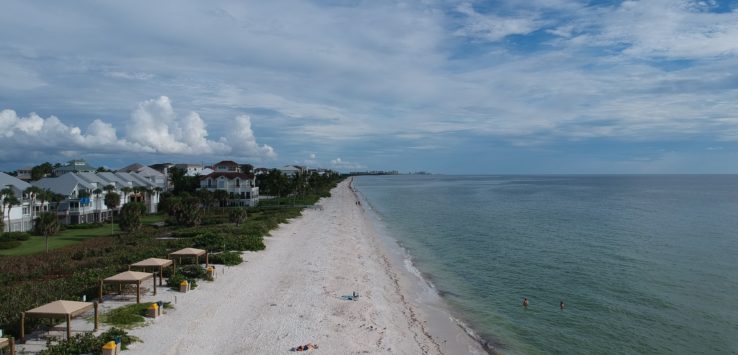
point(241, 187)
point(192, 169)
point(76, 207)
point(291, 170)
point(17, 218)
point(73, 166)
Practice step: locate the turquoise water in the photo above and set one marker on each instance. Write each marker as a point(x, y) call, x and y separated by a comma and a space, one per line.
point(644, 264)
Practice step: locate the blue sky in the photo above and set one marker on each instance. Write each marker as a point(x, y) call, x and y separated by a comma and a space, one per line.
point(538, 86)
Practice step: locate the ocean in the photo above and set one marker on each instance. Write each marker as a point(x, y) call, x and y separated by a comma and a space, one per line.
point(645, 264)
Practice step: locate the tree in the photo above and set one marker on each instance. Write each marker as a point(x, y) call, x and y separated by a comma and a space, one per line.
point(126, 191)
point(130, 216)
point(112, 200)
point(206, 197)
point(237, 215)
point(32, 193)
point(221, 196)
point(8, 200)
point(41, 171)
point(247, 168)
point(47, 224)
point(97, 193)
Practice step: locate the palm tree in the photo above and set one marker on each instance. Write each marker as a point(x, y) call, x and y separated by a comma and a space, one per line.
point(32, 192)
point(237, 215)
point(8, 199)
point(112, 200)
point(97, 193)
point(126, 191)
point(47, 224)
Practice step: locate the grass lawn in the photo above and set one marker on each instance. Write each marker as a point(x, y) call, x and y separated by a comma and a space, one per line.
point(37, 244)
point(153, 218)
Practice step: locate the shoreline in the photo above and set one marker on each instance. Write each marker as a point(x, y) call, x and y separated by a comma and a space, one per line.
point(442, 323)
point(292, 293)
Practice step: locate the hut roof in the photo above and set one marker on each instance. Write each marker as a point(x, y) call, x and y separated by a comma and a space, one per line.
point(4, 342)
point(188, 252)
point(60, 309)
point(130, 277)
point(153, 262)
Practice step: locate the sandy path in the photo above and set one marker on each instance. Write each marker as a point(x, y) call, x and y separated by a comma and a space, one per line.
point(290, 294)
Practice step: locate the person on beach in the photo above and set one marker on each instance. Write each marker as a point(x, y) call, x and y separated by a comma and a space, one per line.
point(561, 305)
point(525, 302)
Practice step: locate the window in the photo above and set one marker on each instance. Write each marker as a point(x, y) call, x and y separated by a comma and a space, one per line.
point(238, 182)
point(221, 183)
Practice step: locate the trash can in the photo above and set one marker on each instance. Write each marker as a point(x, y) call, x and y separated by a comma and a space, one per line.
point(110, 348)
point(184, 286)
point(118, 345)
point(211, 272)
point(153, 311)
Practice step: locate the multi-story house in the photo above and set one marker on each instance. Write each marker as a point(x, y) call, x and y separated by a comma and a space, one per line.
point(73, 166)
point(17, 217)
point(241, 188)
point(77, 206)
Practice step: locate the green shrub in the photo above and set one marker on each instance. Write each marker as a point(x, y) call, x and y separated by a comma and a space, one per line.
point(19, 236)
point(174, 281)
point(126, 316)
point(226, 258)
point(87, 343)
point(84, 226)
point(10, 244)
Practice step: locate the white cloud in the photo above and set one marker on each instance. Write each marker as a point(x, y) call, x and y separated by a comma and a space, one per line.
point(492, 27)
point(243, 143)
point(342, 164)
point(154, 128)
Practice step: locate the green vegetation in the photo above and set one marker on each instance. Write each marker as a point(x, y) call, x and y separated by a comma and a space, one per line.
point(81, 257)
point(130, 217)
point(87, 343)
point(128, 316)
point(36, 244)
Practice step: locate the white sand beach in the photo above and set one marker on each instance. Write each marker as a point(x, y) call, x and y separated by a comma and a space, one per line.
point(290, 295)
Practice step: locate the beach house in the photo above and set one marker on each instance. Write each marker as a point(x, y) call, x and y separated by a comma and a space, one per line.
point(292, 170)
point(73, 166)
point(16, 217)
point(241, 187)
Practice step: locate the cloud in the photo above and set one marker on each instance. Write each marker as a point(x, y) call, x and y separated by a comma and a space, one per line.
point(492, 27)
point(342, 164)
point(243, 143)
point(154, 128)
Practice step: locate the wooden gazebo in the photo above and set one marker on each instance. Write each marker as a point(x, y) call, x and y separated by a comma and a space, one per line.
point(58, 309)
point(191, 252)
point(129, 277)
point(8, 343)
point(154, 263)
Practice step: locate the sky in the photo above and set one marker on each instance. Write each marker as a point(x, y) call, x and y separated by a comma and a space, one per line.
point(457, 87)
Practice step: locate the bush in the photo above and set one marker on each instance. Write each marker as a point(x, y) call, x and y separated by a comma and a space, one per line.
point(226, 258)
point(10, 244)
point(83, 226)
point(87, 343)
point(126, 316)
point(174, 281)
point(19, 236)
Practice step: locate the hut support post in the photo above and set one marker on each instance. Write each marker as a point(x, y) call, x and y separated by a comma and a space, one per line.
point(138, 291)
point(69, 326)
point(207, 264)
point(101, 291)
point(23, 327)
point(154, 284)
point(161, 275)
point(97, 318)
point(12, 346)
